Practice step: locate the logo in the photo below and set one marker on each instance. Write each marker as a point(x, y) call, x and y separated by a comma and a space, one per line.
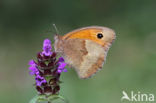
point(137, 96)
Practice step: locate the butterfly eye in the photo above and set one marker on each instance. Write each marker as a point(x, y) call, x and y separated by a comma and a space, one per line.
point(99, 35)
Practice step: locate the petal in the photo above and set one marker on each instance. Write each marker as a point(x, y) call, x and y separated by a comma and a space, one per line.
point(59, 71)
point(31, 73)
point(47, 53)
point(62, 65)
point(44, 81)
point(39, 77)
point(38, 83)
point(47, 45)
point(61, 59)
point(32, 63)
point(46, 41)
point(37, 73)
point(47, 48)
point(65, 70)
point(32, 68)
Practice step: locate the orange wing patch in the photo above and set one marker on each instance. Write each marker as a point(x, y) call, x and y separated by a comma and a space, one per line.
point(86, 33)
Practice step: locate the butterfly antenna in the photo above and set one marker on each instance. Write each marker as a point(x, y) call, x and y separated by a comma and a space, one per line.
point(57, 32)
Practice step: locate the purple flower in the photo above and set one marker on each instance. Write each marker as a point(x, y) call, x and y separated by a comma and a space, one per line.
point(62, 64)
point(40, 80)
point(47, 47)
point(61, 59)
point(33, 70)
point(61, 67)
point(47, 69)
point(32, 63)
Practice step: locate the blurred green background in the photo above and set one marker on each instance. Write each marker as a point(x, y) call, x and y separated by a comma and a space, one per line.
point(131, 61)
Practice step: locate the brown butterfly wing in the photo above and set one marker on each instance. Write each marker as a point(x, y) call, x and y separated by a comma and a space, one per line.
point(93, 61)
point(85, 56)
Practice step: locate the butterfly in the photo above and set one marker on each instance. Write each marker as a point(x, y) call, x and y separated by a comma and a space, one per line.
point(85, 49)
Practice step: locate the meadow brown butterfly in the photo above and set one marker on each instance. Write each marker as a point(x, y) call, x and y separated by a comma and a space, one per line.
point(85, 49)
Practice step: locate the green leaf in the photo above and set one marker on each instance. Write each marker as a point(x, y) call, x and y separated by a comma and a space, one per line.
point(34, 100)
point(54, 97)
point(42, 98)
point(50, 98)
point(63, 99)
point(39, 98)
